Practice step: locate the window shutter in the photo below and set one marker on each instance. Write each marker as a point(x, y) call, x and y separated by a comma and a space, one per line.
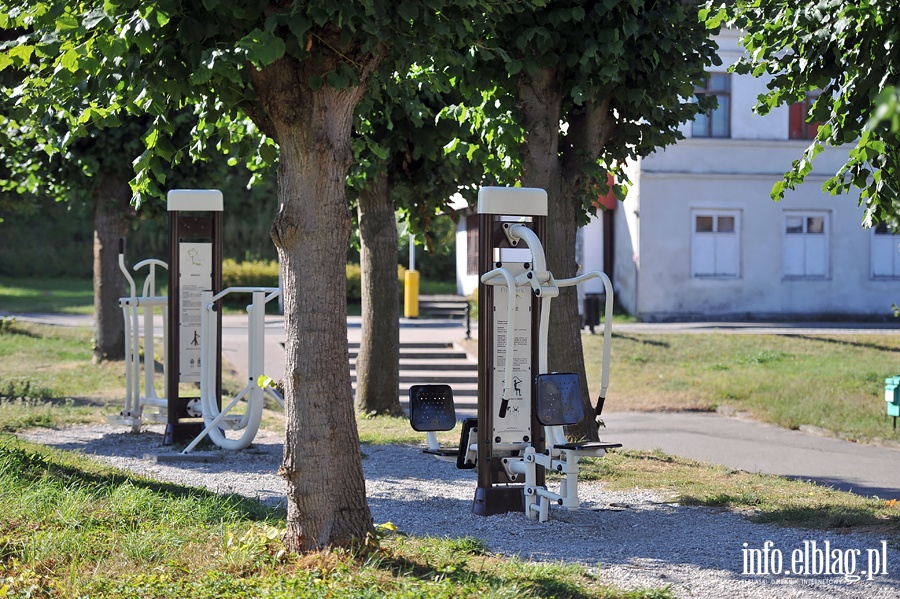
point(796, 121)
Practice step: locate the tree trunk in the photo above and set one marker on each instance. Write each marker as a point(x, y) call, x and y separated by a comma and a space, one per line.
point(112, 213)
point(322, 464)
point(590, 128)
point(377, 365)
point(540, 99)
point(565, 351)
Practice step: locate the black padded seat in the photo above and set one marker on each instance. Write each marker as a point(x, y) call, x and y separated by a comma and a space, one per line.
point(557, 399)
point(431, 408)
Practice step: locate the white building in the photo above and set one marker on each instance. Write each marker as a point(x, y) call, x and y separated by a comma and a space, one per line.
point(699, 236)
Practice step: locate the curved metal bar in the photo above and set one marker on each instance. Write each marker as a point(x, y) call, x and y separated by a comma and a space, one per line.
point(488, 278)
point(254, 395)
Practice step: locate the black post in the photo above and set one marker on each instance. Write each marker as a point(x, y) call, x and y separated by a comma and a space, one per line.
point(195, 217)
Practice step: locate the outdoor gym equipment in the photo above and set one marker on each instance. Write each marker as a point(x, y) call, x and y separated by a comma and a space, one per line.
point(522, 408)
point(133, 309)
point(192, 334)
point(195, 265)
point(244, 411)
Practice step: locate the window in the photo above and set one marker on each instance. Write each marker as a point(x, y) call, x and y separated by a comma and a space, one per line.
point(715, 122)
point(798, 127)
point(885, 253)
point(806, 244)
point(715, 244)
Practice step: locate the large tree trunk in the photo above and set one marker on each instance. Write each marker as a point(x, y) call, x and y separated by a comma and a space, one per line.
point(540, 99)
point(377, 365)
point(590, 128)
point(112, 213)
point(322, 465)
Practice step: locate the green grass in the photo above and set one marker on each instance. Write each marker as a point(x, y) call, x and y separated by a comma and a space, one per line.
point(763, 497)
point(835, 383)
point(46, 377)
point(832, 382)
point(72, 528)
point(73, 296)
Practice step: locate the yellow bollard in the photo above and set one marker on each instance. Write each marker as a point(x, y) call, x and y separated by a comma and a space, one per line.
point(411, 294)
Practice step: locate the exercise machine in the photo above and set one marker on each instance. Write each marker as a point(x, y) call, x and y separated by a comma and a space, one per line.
point(518, 435)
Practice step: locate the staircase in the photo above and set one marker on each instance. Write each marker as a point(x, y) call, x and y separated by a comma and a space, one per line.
point(433, 363)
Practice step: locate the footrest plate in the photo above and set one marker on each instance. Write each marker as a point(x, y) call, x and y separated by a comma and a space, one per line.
point(449, 452)
point(587, 446)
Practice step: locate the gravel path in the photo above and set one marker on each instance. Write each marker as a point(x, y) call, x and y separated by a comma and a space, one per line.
point(632, 539)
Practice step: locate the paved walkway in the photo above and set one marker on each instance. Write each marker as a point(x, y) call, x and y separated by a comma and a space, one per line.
point(747, 445)
point(738, 443)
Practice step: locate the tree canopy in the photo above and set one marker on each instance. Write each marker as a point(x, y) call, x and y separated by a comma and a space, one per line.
point(570, 91)
point(622, 75)
point(847, 52)
point(297, 70)
point(281, 81)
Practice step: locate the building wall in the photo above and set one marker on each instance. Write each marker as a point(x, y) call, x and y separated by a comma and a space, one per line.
point(466, 284)
point(658, 266)
point(736, 175)
point(668, 289)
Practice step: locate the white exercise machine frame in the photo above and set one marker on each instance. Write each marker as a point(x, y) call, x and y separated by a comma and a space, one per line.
point(252, 396)
point(560, 456)
point(138, 313)
point(193, 214)
point(519, 433)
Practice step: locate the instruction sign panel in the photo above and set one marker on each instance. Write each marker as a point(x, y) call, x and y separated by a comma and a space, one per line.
point(512, 406)
point(195, 276)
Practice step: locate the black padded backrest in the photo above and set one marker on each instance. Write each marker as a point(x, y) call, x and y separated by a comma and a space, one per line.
point(431, 408)
point(557, 399)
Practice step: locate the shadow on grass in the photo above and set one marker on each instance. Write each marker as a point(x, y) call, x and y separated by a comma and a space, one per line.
point(8, 326)
point(641, 341)
point(837, 517)
point(460, 573)
point(34, 466)
point(847, 343)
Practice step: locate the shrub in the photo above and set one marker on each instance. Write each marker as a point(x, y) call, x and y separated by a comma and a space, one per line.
point(354, 281)
point(262, 273)
point(257, 273)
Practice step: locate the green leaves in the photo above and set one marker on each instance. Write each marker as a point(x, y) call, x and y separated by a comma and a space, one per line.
point(20, 55)
point(67, 22)
point(845, 49)
point(261, 47)
point(408, 11)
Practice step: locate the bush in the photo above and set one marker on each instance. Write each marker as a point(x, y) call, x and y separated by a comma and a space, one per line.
point(263, 273)
point(354, 281)
point(256, 273)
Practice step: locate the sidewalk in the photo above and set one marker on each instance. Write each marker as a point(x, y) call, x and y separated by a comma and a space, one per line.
point(867, 470)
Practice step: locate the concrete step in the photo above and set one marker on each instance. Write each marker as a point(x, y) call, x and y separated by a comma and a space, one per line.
point(444, 354)
point(424, 363)
point(449, 377)
point(412, 345)
point(435, 364)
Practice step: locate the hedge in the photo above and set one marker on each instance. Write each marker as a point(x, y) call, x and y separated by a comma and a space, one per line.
point(263, 273)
